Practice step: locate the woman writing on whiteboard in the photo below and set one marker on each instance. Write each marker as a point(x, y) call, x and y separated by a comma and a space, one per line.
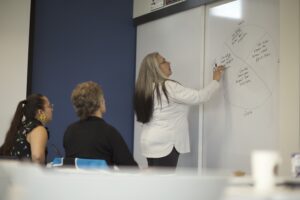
point(27, 136)
point(161, 104)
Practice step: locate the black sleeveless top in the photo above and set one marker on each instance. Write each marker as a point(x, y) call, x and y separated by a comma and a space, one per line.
point(21, 147)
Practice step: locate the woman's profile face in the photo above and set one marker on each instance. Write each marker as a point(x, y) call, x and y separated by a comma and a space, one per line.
point(164, 66)
point(48, 109)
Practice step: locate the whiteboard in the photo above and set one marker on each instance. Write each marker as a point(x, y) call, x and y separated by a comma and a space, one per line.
point(243, 35)
point(180, 39)
point(14, 39)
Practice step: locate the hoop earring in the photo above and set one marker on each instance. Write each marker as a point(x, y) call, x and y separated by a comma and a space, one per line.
point(42, 118)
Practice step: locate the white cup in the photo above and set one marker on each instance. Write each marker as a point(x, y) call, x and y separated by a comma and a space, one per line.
point(263, 164)
point(295, 161)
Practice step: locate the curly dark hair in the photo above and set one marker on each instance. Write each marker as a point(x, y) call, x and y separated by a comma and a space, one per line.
point(86, 98)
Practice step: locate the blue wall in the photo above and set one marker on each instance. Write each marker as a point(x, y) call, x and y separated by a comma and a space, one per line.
point(80, 40)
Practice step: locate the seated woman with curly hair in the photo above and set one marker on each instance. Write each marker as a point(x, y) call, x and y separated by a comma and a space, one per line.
point(91, 137)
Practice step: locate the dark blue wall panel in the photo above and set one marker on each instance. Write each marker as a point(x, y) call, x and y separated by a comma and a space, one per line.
point(81, 40)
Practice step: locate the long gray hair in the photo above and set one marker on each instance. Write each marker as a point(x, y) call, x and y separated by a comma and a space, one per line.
point(149, 75)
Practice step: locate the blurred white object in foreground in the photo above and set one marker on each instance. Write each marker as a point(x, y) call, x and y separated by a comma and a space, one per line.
point(32, 182)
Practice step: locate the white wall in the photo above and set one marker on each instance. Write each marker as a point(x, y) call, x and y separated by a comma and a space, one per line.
point(14, 37)
point(289, 81)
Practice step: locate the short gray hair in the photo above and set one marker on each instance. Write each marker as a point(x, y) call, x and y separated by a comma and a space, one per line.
point(86, 98)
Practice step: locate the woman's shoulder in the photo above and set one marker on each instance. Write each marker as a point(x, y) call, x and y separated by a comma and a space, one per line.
point(40, 129)
point(35, 126)
point(29, 125)
point(110, 128)
point(171, 83)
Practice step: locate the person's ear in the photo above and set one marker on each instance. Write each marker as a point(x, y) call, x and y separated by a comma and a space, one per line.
point(102, 105)
point(41, 116)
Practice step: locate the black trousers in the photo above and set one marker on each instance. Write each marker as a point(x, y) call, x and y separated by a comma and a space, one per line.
point(167, 161)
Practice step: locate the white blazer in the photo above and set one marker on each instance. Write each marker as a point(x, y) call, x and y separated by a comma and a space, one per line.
point(168, 127)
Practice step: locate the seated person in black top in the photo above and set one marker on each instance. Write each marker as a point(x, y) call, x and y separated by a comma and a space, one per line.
point(91, 137)
point(27, 137)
